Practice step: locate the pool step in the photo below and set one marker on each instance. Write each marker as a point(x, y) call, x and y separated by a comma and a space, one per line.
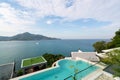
point(104, 77)
point(93, 75)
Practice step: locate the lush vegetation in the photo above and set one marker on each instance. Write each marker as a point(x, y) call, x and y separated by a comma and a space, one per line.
point(113, 58)
point(99, 46)
point(115, 42)
point(19, 72)
point(51, 58)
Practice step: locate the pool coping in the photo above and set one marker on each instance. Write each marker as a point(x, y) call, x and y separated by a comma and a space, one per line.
point(57, 65)
point(30, 74)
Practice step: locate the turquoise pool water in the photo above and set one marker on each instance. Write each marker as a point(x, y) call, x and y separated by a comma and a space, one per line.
point(67, 70)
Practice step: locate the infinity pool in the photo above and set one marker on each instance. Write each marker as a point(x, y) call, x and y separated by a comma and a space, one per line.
point(66, 70)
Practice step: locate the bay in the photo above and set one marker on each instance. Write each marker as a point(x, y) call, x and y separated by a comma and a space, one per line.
point(17, 50)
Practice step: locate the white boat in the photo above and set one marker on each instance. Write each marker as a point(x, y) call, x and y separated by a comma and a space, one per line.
point(37, 43)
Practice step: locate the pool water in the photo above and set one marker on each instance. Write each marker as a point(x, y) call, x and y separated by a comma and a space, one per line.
point(67, 70)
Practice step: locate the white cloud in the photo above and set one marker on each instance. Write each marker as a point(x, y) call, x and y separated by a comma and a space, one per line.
point(83, 32)
point(13, 21)
point(13, 16)
point(49, 22)
point(100, 10)
point(103, 10)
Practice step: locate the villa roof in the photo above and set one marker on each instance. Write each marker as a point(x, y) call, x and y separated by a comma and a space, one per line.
point(32, 61)
point(108, 50)
point(6, 71)
point(91, 56)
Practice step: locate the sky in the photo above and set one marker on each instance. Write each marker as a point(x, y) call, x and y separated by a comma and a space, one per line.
point(65, 19)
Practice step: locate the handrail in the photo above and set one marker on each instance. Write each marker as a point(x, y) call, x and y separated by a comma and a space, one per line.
point(68, 77)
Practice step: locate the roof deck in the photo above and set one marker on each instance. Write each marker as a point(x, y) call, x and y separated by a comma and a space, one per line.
point(6, 71)
point(32, 61)
point(90, 56)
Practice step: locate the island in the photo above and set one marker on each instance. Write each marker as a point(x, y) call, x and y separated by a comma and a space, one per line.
point(26, 37)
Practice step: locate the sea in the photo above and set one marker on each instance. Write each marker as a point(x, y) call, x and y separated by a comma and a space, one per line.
point(15, 51)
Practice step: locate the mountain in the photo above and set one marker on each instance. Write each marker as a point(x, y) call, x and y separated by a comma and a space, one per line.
point(3, 38)
point(26, 37)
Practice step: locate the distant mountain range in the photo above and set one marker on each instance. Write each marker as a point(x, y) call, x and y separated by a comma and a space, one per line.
point(26, 37)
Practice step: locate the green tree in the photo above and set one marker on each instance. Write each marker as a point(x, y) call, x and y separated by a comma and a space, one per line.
point(116, 39)
point(20, 72)
point(51, 58)
point(109, 45)
point(115, 42)
point(99, 46)
point(113, 58)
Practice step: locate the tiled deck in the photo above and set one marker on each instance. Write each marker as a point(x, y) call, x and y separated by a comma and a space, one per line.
point(104, 77)
point(90, 56)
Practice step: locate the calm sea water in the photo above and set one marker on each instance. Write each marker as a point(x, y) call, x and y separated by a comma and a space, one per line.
point(17, 50)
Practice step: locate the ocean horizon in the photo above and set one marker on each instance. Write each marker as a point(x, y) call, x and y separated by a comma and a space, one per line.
point(15, 51)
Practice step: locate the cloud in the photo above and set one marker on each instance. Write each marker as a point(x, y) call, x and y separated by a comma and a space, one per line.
point(69, 10)
point(83, 32)
point(26, 17)
point(102, 10)
point(13, 16)
point(13, 20)
point(49, 22)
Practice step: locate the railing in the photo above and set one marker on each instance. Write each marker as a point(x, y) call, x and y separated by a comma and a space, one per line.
point(74, 77)
point(68, 77)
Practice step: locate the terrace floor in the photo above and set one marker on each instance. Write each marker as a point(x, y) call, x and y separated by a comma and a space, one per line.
point(6, 71)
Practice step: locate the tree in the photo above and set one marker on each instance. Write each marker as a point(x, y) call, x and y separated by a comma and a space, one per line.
point(51, 58)
point(109, 45)
point(116, 39)
point(99, 46)
point(115, 42)
point(113, 58)
point(20, 72)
